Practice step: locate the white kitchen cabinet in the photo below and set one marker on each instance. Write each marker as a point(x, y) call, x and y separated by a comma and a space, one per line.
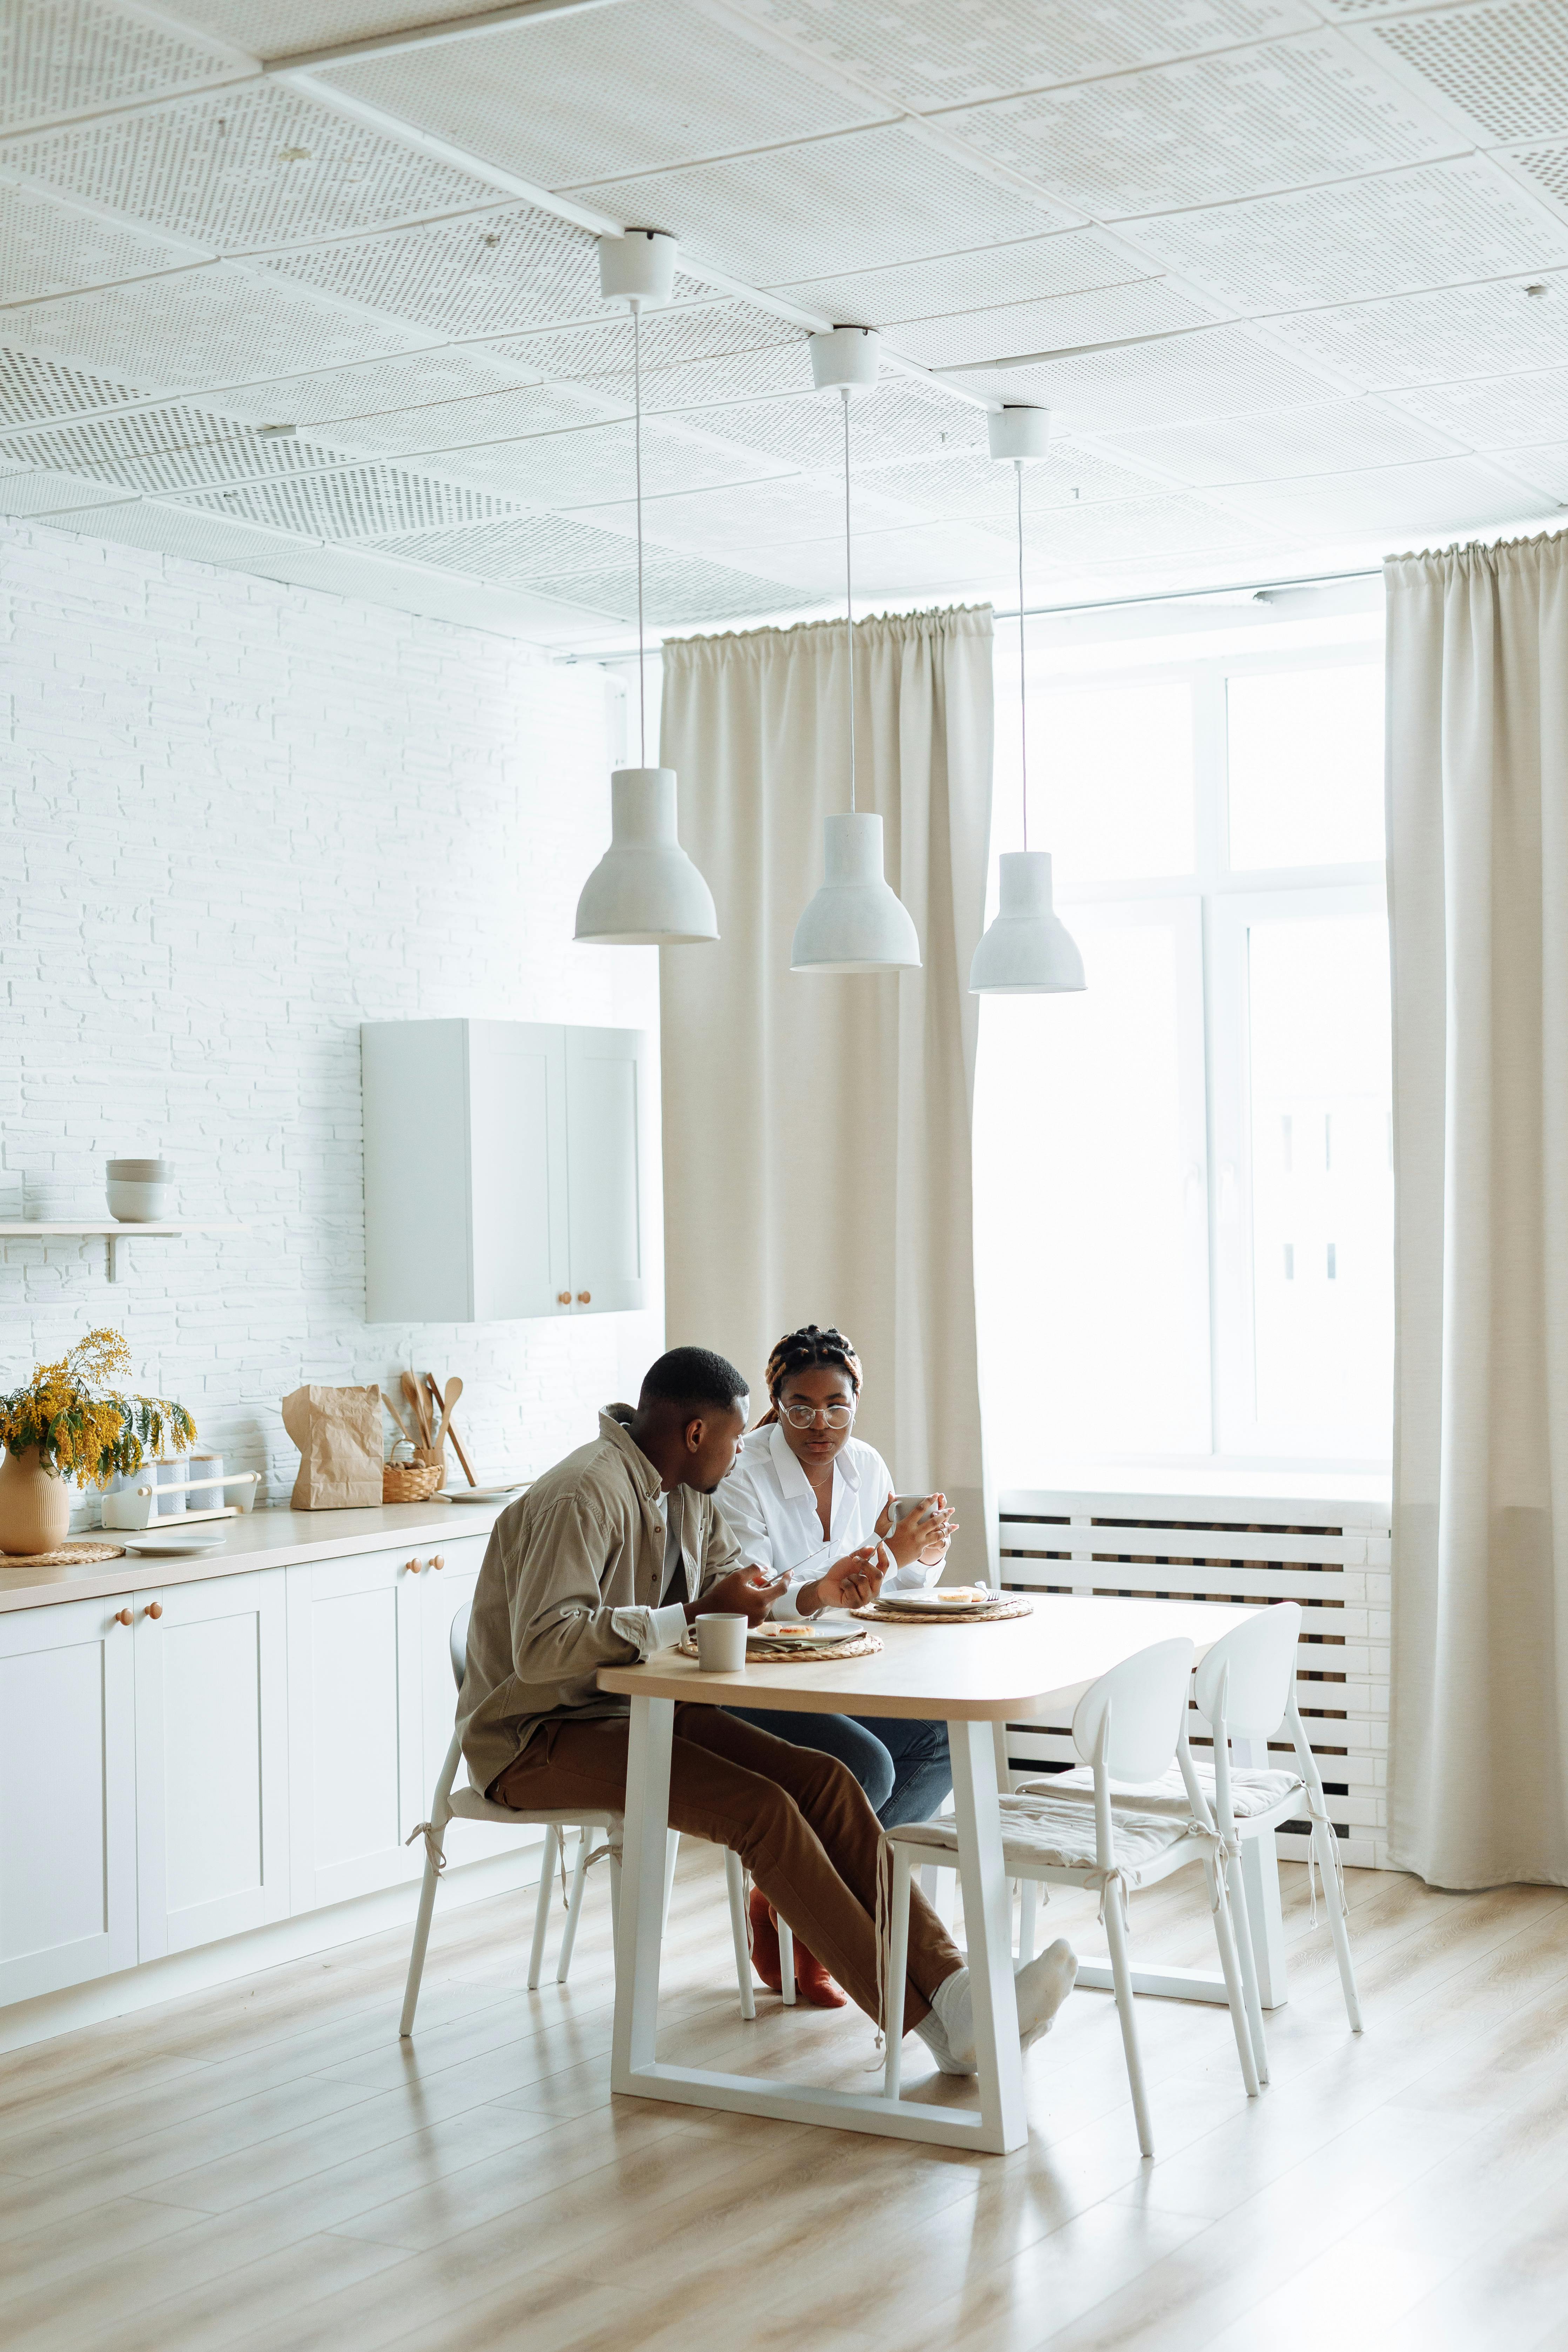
point(212, 1759)
point(355, 1725)
point(506, 1168)
point(68, 1801)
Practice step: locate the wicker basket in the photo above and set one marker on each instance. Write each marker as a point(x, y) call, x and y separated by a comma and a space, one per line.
point(409, 1482)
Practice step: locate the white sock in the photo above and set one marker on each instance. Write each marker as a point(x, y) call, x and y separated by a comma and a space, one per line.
point(949, 2032)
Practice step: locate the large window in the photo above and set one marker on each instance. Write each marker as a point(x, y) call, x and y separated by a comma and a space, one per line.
point(1184, 1176)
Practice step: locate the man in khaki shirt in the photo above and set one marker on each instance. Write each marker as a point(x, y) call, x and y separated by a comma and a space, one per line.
point(606, 1558)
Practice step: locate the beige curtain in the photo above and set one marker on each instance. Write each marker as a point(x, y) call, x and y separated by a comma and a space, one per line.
point(1477, 793)
point(816, 1129)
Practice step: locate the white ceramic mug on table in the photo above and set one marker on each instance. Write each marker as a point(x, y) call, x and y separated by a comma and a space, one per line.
point(721, 1643)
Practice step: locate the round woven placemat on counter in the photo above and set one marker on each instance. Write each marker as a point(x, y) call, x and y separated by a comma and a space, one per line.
point(81, 1555)
point(779, 1654)
point(1006, 1604)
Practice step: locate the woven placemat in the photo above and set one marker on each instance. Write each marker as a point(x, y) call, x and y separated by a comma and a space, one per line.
point(774, 1653)
point(1006, 1604)
point(68, 1556)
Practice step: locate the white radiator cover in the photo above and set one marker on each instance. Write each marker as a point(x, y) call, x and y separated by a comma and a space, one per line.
point(1332, 1555)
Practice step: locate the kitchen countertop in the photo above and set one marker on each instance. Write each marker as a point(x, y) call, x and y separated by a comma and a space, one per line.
point(278, 1539)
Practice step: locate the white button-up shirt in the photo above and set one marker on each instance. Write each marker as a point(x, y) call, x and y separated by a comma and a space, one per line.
point(769, 1505)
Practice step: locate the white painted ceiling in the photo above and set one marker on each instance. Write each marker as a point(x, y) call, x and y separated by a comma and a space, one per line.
point(309, 287)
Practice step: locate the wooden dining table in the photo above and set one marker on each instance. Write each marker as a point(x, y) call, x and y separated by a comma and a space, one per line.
point(977, 1678)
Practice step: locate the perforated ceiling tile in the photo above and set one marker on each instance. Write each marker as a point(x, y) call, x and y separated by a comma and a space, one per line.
point(857, 202)
point(1148, 308)
point(1071, 261)
point(223, 324)
point(699, 354)
point(590, 464)
point(1543, 468)
point(28, 492)
point(1214, 128)
point(762, 514)
point(281, 28)
point(34, 390)
point(570, 95)
point(70, 56)
point(1545, 169)
point(351, 502)
point(47, 246)
point(953, 560)
point(902, 418)
point(253, 166)
point(1424, 338)
point(1173, 524)
point(165, 449)
point(490, 274)
point(1492, 411)
point(1341, 433)
point(944, 52)
point(980, 489)
point(594, 568)
point(1398, 501)
point(1439, 225)
point(1217, 372)
point(372, 417)
point(1505, 68)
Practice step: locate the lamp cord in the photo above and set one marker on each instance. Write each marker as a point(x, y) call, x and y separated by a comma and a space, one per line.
point(637, 444)
point(1023, 693)
point(849, 594)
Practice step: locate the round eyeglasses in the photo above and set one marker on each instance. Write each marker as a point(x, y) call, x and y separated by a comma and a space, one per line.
point(832, 1416)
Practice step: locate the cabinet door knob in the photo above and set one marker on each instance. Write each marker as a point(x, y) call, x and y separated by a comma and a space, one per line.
point(411, 1567)
point(584, 1297)
point(154, 1609)
point(564, 1298)
point(122, 1617)
point(439, 1560)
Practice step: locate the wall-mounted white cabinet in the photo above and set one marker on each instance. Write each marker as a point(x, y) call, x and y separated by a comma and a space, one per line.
point(507, 1169)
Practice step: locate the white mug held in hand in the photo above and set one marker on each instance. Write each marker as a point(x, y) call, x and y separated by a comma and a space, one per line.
point(721, 1645)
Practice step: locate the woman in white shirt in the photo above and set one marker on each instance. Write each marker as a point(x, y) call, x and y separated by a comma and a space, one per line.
point(808, 1501)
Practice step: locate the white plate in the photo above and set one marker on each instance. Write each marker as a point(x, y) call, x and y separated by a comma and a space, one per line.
point(817, 1632)
point(479, 1494)
point(940, 1605)
point(172, 1546)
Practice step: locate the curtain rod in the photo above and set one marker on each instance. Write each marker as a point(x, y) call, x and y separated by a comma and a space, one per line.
point(1104, 604)
point(1180, 595)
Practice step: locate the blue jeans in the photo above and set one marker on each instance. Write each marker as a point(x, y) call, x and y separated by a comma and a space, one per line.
point(902, 1764)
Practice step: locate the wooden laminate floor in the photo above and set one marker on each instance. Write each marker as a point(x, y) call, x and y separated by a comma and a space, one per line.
point(266, 2168)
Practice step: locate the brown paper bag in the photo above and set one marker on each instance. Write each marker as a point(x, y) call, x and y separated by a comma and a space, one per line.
point(338, 1433)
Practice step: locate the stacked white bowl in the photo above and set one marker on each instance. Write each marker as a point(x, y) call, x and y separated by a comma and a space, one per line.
point(141, 1191)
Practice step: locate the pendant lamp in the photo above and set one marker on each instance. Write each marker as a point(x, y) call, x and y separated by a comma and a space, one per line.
point(855, 923)
point(645, 891)
point(1027, 950)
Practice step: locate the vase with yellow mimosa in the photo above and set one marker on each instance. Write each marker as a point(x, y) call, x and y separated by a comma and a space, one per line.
point(70, 1424)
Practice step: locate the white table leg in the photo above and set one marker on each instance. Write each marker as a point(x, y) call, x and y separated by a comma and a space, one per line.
point(644, 1857)
point(988, 1924)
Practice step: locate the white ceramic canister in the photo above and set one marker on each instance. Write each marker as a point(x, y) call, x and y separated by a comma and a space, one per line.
point(200, 1468)
point(140, 1191)
point(170, 1479)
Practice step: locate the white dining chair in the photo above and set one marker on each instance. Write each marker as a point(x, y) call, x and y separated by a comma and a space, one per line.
point(1128, 1726)
point(449, 1803)
point(1246, 1689)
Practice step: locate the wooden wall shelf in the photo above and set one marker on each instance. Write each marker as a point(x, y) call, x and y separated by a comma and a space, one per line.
point(114, 1231)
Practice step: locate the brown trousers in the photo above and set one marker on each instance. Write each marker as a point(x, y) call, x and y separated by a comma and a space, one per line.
point(797, 1819)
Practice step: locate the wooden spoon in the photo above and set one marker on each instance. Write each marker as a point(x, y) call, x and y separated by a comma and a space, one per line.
point(454, 1390)
point(397, 1417)
point(416, 1395)
point(457, 1441)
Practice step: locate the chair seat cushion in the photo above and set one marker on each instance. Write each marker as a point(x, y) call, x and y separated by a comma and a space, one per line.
point(469, 1805)
point(1037, 1833)
point(1251, 1792)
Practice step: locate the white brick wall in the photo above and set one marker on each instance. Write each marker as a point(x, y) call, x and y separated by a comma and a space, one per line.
point(238, 818)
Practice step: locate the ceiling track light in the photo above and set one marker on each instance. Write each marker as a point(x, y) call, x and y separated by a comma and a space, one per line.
point(855, 923)
point(645, 891)
point(1027, 950)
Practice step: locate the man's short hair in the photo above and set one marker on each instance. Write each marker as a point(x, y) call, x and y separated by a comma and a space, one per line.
point(695, 1380)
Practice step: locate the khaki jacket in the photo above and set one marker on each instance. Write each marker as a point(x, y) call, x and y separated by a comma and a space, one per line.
point(582, 1547)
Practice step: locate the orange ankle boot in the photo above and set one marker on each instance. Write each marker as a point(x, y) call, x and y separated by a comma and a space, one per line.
point(766, 1957)
point(813, 1982)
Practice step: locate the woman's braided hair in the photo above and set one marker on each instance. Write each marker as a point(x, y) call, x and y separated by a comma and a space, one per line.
point(799, 1351)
